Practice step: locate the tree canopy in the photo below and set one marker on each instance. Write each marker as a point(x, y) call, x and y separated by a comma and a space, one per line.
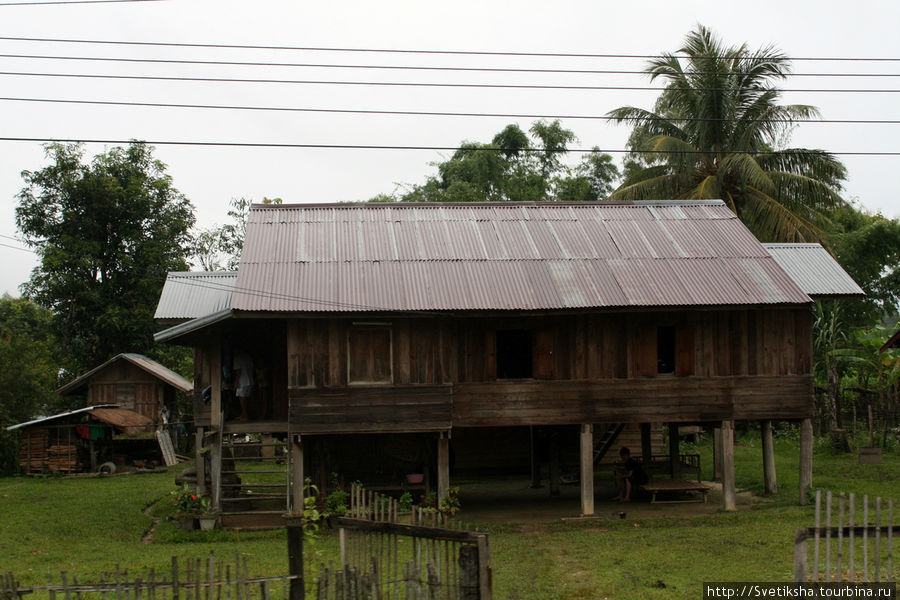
point(106, 234)
point(517, 168)
point(717, 131)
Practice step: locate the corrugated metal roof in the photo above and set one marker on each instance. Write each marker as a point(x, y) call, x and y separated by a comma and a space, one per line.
point(408, 257)
point(188, 295)
point(151, 366)
point(122, 418)
point(68, 413)
point(815, 270)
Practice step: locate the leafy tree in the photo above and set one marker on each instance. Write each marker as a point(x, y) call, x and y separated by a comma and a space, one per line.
point(511, 168)
point(106, 234)
point(218, 248)
point(717, 131)
point(29, 374)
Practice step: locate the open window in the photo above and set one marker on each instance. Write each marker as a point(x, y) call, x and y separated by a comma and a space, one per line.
point(665, 350)
point(515, 354)
point(369, 354)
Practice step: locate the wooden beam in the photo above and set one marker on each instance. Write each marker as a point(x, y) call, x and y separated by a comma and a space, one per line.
point(587, 470)
point(535, 464)
point(768, 450)
point(443, 465)
point(717, 453)
point(646, 442)
point(554, 463)
point(674, 451)
point(200, 461)
point(806, 458)
point(215, 382)
point(215, 467)
point(298, 476)
point(729, 499)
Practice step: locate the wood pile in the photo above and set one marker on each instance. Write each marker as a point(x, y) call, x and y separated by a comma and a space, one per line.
point(35, 456)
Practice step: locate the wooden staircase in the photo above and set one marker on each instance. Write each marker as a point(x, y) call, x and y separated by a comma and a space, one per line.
point(606, 440)
point(255, 483)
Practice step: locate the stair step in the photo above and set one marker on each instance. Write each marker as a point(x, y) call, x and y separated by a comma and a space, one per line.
point(255, 485)
point(251, 472)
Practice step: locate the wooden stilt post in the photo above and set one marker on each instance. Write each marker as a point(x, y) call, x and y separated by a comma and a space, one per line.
point(216, 423)
point(554, 463)
point(768, 452)
point(215, 468)
point(587, 469)
point(297, 474)
point(646, 443)
point(295, 560)
point(806, 452)
point(200, 461)
point(443, 465)
point(729, 499)
point(717, 453)
point(674, 456)
point(535, 463)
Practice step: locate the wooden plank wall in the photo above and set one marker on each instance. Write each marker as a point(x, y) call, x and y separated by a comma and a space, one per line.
point(433, 351)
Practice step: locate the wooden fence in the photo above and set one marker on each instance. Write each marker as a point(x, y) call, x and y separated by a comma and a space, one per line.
point(422, 554)
point(196, 579)
point(854, 544)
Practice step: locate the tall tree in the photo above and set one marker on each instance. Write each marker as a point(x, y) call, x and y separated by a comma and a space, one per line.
point(717, 131)
point(106, 233)
point(512, 168)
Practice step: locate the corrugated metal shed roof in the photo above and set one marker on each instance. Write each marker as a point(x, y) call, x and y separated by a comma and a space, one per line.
point(413, 257)
point(815, 270)
point(188, 295)
point(151, 366)
point(111, 414)
point(69, 413)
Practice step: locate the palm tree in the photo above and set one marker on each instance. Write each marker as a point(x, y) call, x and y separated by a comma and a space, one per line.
point(716, 132)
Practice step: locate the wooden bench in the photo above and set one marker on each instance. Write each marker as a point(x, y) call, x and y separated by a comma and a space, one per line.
point(656, 486)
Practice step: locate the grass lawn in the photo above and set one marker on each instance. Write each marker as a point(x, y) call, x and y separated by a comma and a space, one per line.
point(88, 525)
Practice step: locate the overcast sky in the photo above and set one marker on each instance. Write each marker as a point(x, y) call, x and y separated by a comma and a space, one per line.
point(211, 176)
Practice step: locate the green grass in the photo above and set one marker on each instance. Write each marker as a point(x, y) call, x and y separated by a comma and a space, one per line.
point(88, 525)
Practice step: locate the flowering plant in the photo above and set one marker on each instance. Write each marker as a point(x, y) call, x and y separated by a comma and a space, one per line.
point(186, 500)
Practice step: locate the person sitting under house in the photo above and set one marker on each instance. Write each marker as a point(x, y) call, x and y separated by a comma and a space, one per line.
point(628, 474)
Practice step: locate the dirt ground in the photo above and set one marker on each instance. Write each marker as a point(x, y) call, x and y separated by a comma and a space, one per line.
point(514, 501)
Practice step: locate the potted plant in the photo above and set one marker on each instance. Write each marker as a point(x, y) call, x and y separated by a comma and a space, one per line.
point(190, 506)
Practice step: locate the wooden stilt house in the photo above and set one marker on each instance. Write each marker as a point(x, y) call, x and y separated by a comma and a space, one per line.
point(426, 334)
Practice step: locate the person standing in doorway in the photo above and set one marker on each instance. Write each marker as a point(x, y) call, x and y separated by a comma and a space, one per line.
point(242, 371)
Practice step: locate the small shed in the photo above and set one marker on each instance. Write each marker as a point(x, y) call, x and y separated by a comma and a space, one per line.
point(76, 440)
point(129, 381)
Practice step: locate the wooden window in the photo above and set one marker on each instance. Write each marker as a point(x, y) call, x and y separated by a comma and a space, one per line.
point(665, 350)
point(515, 359)
point(125, 395)
point(369, 355)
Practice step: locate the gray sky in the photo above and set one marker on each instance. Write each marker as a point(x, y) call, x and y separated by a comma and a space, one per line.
point(210, 177)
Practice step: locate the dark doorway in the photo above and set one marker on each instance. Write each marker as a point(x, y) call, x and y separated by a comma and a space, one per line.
point(514, 354)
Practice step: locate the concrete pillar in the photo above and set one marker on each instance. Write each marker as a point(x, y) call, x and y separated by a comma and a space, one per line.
point(806, 458)
point(587, 469)
point(768, 449)
point(729, 496)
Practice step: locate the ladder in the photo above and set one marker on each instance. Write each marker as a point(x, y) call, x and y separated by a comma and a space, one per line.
point(255, 476)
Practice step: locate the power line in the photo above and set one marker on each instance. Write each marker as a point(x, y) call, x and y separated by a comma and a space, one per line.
point(421, 83)
point(17, 248)
point(422, 113)
point(391, 67)
point(407, 147)
point(40, 2)
point(412, 51)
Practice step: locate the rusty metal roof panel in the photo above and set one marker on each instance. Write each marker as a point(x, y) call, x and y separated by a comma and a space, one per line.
point(814, 270)
point(406, 257)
